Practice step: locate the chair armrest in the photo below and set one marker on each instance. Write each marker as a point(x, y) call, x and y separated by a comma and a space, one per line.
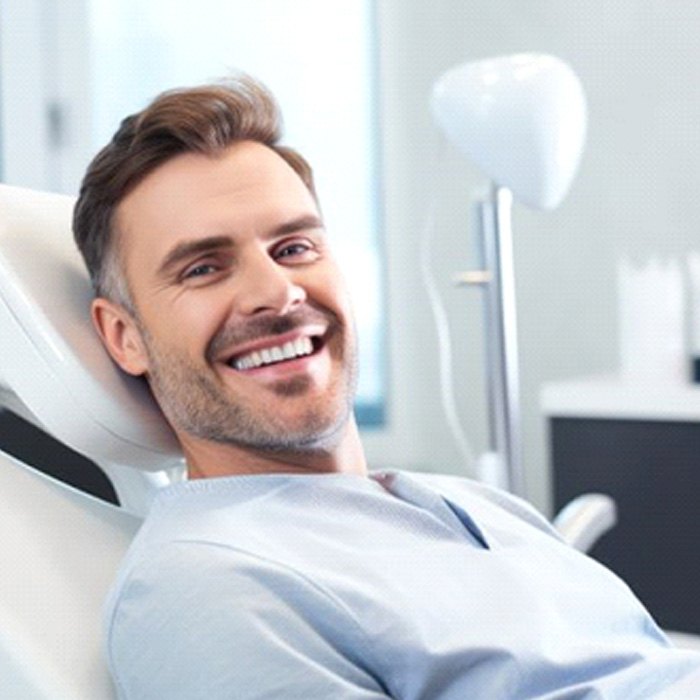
point(586, 519)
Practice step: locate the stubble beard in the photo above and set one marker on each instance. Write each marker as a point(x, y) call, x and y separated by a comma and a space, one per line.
point(195, 403)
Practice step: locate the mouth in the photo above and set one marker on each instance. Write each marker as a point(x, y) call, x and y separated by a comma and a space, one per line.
point(282, 352)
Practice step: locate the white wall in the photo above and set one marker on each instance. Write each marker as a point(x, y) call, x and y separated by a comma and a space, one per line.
point(635, 194)
point(23, 127)
point(44, 67)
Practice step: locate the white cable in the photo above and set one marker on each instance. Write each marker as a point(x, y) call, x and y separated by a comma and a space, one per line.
point(442, 327)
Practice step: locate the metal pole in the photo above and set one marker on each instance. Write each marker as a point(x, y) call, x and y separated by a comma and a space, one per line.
point(495, 239)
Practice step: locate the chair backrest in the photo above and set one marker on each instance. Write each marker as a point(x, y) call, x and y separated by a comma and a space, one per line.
point(59, 552)
point(60, 548)
point(52, 362)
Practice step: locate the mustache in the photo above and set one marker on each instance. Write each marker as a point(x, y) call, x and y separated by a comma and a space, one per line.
point(264, 326)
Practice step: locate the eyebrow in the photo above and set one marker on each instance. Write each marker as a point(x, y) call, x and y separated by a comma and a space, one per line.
point(188, 249)
point(301, 223)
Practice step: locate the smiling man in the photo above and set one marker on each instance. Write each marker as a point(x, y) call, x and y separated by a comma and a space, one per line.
point(282, 568)
point(242, 324)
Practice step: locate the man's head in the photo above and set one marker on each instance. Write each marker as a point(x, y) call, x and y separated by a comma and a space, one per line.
point(204, 120)
point(213, 276)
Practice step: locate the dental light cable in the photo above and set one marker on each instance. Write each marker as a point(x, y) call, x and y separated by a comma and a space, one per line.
point(442, 325)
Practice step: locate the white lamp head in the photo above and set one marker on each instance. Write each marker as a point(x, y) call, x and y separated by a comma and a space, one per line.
point(520, 118)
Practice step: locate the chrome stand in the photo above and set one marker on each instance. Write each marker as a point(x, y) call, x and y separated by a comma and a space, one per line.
point(497, 278)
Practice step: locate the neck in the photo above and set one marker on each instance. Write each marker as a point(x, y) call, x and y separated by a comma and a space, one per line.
point(206, 459)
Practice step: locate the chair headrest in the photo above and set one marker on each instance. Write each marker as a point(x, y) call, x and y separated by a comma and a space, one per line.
point(51, 358)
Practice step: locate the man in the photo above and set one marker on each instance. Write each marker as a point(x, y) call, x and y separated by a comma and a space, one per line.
point(281, 568)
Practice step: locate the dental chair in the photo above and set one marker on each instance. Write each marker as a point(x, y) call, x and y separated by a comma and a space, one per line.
point(60, 547)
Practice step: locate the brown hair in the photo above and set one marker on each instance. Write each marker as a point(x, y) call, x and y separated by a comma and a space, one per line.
point(203, 119)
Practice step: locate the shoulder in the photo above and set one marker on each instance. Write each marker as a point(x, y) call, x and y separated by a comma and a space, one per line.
point(211, 617)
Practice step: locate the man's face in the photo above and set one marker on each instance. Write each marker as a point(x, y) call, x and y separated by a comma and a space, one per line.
point(243, 321)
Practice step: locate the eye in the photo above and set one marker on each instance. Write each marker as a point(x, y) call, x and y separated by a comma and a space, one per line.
point(206, 270)
point(296, 251)
point(200, 270)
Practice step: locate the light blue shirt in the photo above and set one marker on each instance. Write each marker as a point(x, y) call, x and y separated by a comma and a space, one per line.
point(306, 587)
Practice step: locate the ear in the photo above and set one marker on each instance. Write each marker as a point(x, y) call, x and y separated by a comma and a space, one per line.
point(120, 335)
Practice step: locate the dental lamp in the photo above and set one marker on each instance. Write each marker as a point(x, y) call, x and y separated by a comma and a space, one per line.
point(522, 120)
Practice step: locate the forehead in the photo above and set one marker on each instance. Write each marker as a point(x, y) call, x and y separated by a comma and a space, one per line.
point(244, 189)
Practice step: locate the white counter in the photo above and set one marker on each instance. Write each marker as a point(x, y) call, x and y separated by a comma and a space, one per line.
point(611, 397)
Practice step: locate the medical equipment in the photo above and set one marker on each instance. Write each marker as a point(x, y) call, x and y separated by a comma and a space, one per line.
point(52, 366)
point(522, 120)
point(59, 551)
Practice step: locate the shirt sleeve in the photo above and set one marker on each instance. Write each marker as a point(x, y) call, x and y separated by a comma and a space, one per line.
point(200, 620)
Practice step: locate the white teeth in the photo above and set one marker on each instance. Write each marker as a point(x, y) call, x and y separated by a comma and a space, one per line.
point(302, 346)
point(297, 348)
point(288, 351)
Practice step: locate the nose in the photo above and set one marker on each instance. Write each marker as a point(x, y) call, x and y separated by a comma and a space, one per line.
point(266, 286)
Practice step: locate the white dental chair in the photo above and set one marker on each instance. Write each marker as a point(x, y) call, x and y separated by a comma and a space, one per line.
point(59, 547)
point(59, 552)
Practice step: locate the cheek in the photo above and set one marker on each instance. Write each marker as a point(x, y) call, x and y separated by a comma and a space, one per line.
point(186, 326)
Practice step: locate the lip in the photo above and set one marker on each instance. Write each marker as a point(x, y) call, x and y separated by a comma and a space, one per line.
point(310, 331)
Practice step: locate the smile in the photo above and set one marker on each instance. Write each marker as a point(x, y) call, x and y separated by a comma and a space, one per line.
point(274, 354)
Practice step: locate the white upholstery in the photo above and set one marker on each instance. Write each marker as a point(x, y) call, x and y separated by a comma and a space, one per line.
point(52, 362)
point(60, 548)
point(59, 552)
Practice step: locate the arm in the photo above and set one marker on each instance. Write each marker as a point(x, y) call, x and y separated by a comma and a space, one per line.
point(205, 621)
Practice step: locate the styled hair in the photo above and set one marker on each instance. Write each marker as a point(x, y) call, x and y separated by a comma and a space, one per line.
point(205, 119)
